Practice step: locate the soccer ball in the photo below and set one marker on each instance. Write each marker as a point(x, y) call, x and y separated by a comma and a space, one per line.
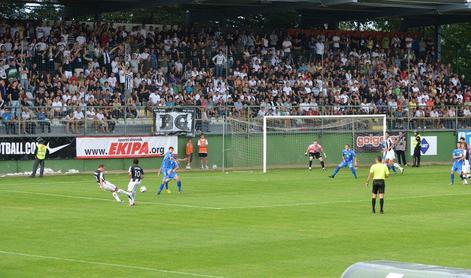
point(143, 189)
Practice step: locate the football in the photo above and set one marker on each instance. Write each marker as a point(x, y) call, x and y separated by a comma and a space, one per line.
point(143, 189)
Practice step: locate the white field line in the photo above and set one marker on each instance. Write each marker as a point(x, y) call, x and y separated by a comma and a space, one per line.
point(344, 201)
point(240, 207)
point(109, 200)
point(109, 264)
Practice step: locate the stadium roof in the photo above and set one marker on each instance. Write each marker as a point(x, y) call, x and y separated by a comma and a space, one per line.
point(415, 12)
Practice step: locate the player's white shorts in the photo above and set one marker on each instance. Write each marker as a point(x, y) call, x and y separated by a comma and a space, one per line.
point(466, 167)
point(133, 185)
point(390, 155)
point(108, 186)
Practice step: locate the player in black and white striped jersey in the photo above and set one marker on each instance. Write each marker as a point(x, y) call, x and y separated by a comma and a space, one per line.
point(136, 175)
point(389, 157)
point(108, 186)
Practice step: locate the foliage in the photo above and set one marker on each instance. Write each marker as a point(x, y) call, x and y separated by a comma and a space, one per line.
point(456, 48)
point(386, 25)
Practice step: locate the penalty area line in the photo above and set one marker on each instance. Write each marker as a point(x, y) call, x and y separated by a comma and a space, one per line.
point(108, 200)
point(109, 264)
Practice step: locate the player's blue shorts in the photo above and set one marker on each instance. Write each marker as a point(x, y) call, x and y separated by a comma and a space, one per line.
point(169, 176)
point(457, 167)
point(344, 164)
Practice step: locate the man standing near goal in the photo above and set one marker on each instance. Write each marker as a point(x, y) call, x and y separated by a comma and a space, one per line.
point(315, 151)
point(378, 172)
point(348, 159)
point(108, 186)
point(136, 175)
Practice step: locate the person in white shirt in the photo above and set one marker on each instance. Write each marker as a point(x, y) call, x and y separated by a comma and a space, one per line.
point(101, 119)
point(78, 117)
point(319, 50)
point(336, 42)
point(91, 117)
point(286, 44)
point(219, 61)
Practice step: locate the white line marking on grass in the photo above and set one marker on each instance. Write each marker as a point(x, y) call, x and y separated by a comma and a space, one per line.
point(109, 200)
point(109, 264)
point(345, 201)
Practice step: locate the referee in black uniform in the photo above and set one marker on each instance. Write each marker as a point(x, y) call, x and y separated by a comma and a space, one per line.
point(378, 172)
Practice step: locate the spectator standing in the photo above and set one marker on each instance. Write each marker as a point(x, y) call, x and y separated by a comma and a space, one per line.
point(400, 149)
point(203, 152)
point(219, 61)
point(14, 98)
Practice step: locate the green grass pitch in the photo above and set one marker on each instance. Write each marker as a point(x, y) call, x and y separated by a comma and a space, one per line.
point(286, 223)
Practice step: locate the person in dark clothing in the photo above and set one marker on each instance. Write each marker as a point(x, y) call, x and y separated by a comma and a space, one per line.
point(417, 149)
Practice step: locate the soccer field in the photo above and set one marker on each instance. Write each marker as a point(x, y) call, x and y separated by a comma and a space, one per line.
point(286, 223)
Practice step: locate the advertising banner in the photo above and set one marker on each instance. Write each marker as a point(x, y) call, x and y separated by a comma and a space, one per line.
point(466, 134)
point(174, 121)
point(124, 147)
point(428, 145)
point(23, 148)
point(371, 142)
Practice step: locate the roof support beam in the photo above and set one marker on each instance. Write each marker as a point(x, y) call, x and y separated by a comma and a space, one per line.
point(328, 3)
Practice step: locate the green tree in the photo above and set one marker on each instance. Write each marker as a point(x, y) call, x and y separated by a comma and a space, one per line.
point(456, 48)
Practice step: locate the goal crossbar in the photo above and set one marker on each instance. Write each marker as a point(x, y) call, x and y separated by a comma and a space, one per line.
point(265, 118)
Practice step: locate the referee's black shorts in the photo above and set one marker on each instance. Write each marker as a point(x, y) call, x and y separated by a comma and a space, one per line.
point(315, 155)
point(378, 186)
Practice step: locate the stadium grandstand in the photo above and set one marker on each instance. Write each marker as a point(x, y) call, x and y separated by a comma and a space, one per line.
point(83, 78)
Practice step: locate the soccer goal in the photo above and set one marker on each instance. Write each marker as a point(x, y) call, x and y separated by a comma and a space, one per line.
point(286, 138)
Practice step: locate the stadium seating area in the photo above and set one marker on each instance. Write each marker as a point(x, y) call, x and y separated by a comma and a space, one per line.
point(54, 76)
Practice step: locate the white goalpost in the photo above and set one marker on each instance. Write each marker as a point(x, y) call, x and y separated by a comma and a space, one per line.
point(291, 134)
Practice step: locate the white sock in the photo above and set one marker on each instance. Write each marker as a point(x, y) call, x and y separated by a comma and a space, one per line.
point(133, 195)
point(397, 166)
point(116, 197)
point(124, 192)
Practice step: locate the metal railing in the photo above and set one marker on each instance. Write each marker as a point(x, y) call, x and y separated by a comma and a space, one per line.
point(138, 120)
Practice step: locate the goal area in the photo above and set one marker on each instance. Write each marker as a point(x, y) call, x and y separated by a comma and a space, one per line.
point(281, 141)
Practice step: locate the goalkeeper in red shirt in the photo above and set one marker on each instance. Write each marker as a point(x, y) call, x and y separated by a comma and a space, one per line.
point(315, 151)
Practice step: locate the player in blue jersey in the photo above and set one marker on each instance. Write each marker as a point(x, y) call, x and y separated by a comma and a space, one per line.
point(348, 159)
point(171, 174)
point(166, 165)
point(458, 158)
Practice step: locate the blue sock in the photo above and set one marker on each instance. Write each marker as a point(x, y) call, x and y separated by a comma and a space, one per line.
point(354, 172)
point(337, 169)
point(179, 185)
point(166, 186)
point(452, 177)
point(160, 188)
point(393, 168)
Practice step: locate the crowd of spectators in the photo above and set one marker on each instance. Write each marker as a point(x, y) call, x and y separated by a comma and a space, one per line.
point(67, 72)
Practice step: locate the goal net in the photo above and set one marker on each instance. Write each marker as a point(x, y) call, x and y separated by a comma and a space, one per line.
point(281, 141)
point(245, 144)
point(286, 138)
